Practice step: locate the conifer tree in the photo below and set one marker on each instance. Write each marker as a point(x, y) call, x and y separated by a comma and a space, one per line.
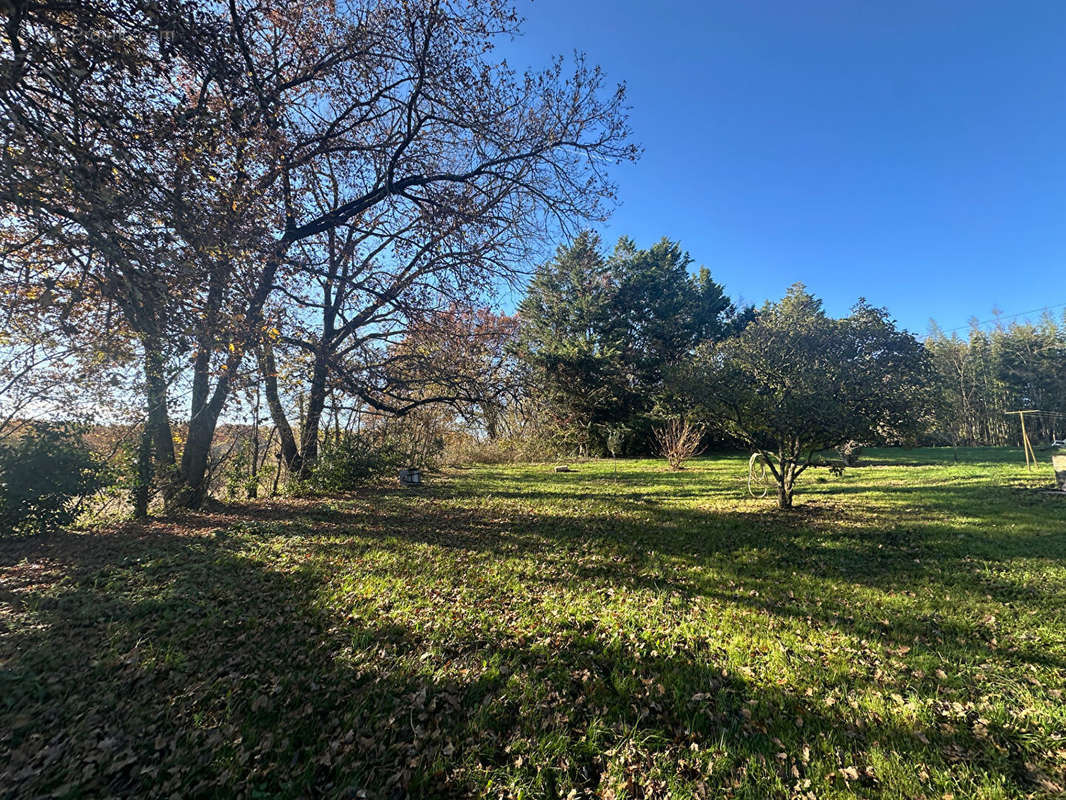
point(598, 333)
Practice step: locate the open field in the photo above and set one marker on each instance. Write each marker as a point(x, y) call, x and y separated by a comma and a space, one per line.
point(620, 631)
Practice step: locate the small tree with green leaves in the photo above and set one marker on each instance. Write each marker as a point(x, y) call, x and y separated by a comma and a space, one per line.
point(796, 382)
point(45, 473)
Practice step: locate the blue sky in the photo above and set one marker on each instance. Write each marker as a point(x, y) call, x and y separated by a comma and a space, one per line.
point(910, 152)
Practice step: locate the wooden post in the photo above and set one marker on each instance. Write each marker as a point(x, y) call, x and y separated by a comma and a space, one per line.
point(1027, 446)
point(1025, 441)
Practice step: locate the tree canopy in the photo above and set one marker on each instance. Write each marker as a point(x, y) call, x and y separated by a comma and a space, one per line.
point(796, 382)
point(176, 162)
point(988, 373)
point(598, 331)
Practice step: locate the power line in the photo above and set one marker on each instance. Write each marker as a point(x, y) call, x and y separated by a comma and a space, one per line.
point(1001, 318)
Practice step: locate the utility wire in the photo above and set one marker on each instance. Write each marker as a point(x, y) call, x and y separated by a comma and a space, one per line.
point(1001, 318)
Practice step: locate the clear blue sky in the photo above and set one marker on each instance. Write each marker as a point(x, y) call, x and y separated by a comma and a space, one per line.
point(910, 152)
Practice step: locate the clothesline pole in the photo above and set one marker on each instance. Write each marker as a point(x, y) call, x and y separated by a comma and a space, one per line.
point(1027, 446)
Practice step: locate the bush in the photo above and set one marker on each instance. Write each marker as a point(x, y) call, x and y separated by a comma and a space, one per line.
point(44, 473)
point(352, 460)
point(462, 449)
point(679, 440)
point(237, 478)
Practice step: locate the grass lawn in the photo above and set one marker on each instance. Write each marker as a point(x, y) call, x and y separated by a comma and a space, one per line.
point(620, 631)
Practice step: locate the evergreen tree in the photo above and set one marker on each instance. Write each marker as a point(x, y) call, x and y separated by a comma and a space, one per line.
point(597, 333)
point(569, 341)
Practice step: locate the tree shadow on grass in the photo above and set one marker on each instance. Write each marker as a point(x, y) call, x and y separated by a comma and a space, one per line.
point(160, 661)
point(828, 567)
point(931, 544)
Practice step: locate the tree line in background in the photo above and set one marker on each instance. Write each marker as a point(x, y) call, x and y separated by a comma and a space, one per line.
point(616, 344)
point(259, 247)
point(982, 377)
point(600, 332)
point(627, 352)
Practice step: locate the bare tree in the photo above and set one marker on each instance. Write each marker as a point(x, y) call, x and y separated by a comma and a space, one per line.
point(181, 150)
point(679, 440)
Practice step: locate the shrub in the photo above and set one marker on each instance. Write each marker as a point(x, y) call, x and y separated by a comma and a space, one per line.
point(351, 460)
point(238, 478)
point(44, 474)
point(462, 448)
point(679, 440)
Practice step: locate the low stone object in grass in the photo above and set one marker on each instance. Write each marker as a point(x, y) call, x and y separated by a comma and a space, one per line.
point(563, 468)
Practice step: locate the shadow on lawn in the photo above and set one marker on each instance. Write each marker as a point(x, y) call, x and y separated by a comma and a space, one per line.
point(162, 661)
point(829, 566)
point(941, 536)
point(846, 561)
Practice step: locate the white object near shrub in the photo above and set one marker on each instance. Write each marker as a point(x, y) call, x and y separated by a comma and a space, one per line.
point(411, 477)
point(1058, 463)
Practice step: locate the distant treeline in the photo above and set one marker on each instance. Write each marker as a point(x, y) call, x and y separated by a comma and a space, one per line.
point(989, 373)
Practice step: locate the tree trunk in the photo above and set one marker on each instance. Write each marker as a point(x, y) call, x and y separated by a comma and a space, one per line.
point(157, 425)
point(786, 484)
point(205, 411)
point(316, 402)
point(252, 490)
point(784, 496)
point(142, 487)
point(290, 452)
point(194, 461)
point(491, 415)
point(158, 418)
point(298, 457)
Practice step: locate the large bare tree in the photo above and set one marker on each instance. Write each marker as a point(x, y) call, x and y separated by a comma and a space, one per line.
point(183, 150)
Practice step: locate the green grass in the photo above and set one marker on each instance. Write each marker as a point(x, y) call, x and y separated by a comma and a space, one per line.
point(620, 631)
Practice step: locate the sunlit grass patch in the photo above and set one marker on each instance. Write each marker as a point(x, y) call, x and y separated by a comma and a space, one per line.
point(619, 631)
